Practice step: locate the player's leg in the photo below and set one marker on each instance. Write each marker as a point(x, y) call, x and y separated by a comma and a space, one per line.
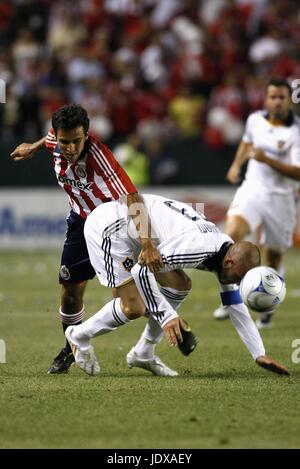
point(175, 286)
point(75, 270)
point(118, 312)
point(280, 214)
point(273, 258)
point(114, 314)
point(72, 300)
point(236, 227)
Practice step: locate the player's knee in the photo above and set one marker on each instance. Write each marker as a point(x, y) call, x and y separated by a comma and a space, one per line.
point(133, 307)
point(237, 228)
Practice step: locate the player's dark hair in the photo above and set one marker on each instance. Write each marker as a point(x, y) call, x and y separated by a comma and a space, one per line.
point(70, 117)
point(278, 81)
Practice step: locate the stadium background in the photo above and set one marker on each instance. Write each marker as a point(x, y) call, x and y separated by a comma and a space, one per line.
point(168, 85)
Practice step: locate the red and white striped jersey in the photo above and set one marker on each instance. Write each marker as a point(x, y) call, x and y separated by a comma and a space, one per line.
point(95, 178)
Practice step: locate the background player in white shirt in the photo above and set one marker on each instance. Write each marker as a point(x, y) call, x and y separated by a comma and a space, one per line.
point(185, 240)
point(267, 197)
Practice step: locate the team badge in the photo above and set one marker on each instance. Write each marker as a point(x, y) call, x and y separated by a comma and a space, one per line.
point(80, 171)
point(64, 272)
point(128, 264)
point(280, 144)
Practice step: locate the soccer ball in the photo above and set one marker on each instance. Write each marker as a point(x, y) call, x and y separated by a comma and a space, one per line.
point(262, 289)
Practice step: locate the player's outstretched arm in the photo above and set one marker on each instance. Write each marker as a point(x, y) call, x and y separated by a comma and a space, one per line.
point(233, 175)
point(27, 150)
point(269, 364)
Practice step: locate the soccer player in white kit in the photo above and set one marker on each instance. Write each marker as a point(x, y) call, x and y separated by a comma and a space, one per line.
point(267, 197)
point(186, 240)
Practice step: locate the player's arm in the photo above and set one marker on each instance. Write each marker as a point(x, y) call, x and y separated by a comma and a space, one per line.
point(288, 170)
point(27, 150)
point(156, 304)
point(240, 159)
point(149, 254)
point(246, 329)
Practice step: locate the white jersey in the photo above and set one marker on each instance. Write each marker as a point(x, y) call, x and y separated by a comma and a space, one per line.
point(184, 238)
point(278, 142)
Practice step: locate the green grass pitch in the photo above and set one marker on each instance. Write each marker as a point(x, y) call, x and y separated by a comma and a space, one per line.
point(221, 399)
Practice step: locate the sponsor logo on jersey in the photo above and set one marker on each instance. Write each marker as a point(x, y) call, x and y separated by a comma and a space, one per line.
point(280, 144)
point(128, 264)
point(72, 182)
point(64, 272)
point(80, 171)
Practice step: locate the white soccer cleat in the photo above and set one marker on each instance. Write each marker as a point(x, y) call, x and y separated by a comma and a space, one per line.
point(154, 364)
point(84, 356)
point(221, 313)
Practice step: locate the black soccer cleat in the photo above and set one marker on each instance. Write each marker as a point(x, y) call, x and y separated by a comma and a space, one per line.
point(61, 363)
point(189, 341)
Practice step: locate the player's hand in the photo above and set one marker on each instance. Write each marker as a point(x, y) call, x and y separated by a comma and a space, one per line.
point(172, 332)
point(271, 365)
point(256, 154)
point(233, 175)
point(23, 152)
point(150, 256)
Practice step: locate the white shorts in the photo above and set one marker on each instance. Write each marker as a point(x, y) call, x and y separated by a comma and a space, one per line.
point(276, 213)
point(112, 253)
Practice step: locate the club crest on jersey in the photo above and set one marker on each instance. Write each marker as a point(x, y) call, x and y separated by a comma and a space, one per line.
point(80, 171)
point(280, 144)
point(64, 272)
point(128, 264)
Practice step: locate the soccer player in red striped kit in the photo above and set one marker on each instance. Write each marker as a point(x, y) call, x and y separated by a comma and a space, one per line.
point(90, 175)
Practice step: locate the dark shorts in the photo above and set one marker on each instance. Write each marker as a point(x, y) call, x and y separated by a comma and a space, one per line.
point(75, 261)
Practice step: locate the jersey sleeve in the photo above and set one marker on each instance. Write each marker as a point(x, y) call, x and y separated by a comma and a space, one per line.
point(157, 305)
point(246, 329)
point(247, 136)
point(114, 171)
point(242, 321)
point(126, 181)
point(51, 141)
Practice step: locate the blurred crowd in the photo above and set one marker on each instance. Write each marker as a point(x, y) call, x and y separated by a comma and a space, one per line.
point(147, 71)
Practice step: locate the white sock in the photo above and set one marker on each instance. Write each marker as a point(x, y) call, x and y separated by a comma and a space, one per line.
point(153, 333)
point(151, 336)
point(109, 318)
